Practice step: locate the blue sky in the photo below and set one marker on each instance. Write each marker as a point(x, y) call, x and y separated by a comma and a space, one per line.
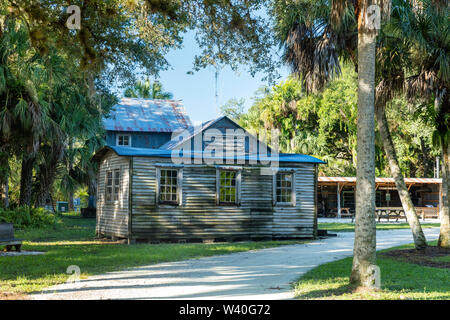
point(197, 91)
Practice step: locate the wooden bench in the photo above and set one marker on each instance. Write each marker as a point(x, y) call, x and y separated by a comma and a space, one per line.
point(7, 237)
point(427, 212)
point(390, 213)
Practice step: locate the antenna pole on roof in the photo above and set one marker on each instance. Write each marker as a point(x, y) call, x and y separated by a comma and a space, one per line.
point(216, 76)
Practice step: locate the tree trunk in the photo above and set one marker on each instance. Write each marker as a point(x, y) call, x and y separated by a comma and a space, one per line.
point(26, 180)
point(47, 172)
point(4, 178)
point(418, 235)
point(44, 184)
point(70, 201)
point(92, 186)
point(444, 214)
point(6, 200)
point(364, 270)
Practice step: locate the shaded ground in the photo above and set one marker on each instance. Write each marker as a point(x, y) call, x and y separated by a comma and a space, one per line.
point(431, 257)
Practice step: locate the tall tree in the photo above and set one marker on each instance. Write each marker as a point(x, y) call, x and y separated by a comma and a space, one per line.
point(316, 35)
point(423, 26)
point(116, 38)
point(364, 251)
point(392, 59)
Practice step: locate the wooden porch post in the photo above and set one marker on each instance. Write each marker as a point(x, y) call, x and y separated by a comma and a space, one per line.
point(338, 201)
point(440, 200)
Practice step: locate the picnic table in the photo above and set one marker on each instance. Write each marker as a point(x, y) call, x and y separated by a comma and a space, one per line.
point(7, 237)
point(390, 213)
point(345, 213)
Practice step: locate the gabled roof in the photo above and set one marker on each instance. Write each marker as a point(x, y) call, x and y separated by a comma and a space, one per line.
point(165, 153)
point(147, 115)
point(193, 131)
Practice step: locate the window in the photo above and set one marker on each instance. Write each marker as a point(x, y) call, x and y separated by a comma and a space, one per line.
point(168, 186)
point(123, 140)
point(116, 184)
point(112, 185)
point(228, 187)
point(283, 188)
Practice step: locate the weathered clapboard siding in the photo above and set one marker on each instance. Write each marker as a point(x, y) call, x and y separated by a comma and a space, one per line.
point(256, 199)
point(297, 221)
point(199, 216)
point(112, 217)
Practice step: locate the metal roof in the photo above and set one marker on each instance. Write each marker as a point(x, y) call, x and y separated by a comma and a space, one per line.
point(147, 115)
point(381, 180)
point(193, 131)
point(164, 153)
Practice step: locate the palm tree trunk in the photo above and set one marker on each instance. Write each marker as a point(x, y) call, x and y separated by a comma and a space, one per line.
point(47, 173)
point(364, 269)
point(4, 177)
point(26, 180)
point(6, 199)
point(444, 214)
point(92, 187)
point(418, 235)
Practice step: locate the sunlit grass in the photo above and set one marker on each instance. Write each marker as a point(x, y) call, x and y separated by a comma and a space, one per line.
point(399, 280)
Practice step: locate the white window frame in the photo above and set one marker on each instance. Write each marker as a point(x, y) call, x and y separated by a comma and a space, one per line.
point(238, 171)
point(123, 135)
point(292, 203)
point(179, 186)
point(113, 185)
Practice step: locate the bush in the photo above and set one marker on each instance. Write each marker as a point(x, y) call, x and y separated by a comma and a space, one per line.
point(26, 217)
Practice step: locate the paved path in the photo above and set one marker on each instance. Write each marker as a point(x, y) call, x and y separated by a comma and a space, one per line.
point(261, 274)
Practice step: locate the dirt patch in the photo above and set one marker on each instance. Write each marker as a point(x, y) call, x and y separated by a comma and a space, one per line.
point(426, 257)
point(12, 296)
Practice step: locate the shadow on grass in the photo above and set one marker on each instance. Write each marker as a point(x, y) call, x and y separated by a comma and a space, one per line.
point(325, 293)
point(399, 280)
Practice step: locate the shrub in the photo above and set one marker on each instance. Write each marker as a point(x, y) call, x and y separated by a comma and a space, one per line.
point(26, 217)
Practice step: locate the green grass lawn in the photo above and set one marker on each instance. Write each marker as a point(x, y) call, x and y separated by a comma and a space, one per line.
point(443, 259)
point(399, 280)
point(350, 227)
point(71, 242)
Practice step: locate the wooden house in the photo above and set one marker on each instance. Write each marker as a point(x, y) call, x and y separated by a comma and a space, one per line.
point(211, 182)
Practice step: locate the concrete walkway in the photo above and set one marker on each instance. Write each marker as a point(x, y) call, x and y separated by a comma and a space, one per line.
point(260, 274)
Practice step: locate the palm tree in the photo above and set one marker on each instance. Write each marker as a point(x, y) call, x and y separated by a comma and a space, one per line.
point(317, 34)
point(147, 90)
point(423, 26)
point(393, 56)
point(24, 112)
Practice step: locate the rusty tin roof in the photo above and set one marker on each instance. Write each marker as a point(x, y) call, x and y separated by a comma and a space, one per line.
point(147, 115)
